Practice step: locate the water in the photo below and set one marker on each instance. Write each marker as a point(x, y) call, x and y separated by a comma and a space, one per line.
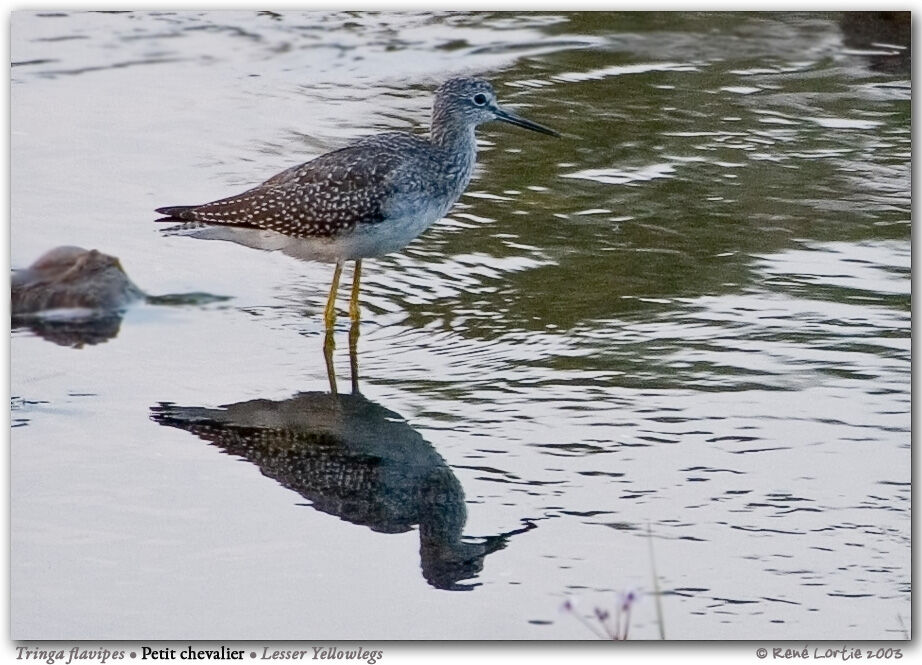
point(685, 324)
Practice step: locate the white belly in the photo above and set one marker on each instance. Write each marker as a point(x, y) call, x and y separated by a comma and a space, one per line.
point(366, 240)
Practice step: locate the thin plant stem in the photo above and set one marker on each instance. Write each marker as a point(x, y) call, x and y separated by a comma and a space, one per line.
point(656, 590)
point(588, 625)
point(902, 625)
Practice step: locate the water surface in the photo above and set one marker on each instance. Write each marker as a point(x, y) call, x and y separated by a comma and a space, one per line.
point(686, 323)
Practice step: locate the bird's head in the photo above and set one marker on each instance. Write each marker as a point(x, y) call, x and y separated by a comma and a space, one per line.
point(473, 101)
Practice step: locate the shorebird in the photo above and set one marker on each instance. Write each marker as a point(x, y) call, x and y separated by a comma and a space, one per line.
point(365, 200)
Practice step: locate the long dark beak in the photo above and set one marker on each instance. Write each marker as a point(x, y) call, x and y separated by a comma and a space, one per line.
point(513, 119)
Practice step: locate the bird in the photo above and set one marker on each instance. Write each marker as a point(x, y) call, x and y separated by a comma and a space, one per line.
point(367, 199)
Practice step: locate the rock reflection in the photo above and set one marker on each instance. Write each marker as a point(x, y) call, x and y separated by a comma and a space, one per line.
point(354, 459)
point(73, 331)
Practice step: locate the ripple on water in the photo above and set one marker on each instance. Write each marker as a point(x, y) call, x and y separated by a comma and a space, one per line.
point(687, 322)
point(616, 176)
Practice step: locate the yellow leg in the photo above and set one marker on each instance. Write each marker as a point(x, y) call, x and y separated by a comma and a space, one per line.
point(354, 300)
point(328, 346)
point(354, 355)
point(329, 314)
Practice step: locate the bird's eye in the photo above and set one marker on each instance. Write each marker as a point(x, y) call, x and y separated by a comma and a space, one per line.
point(480, 99)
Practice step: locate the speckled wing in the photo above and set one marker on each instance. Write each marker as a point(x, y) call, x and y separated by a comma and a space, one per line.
point(325, 197)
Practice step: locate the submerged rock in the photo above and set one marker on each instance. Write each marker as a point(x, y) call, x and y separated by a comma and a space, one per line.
point(73, 296)
point(884, 38)
point(72, 278)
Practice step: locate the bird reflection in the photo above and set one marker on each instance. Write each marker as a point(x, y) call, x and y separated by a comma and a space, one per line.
point(354, 459)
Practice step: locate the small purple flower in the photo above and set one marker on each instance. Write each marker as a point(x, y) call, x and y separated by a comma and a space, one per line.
point(607, 624)
point(628, 599)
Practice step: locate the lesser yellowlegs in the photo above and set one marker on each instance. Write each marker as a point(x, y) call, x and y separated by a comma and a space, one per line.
point(368, 199)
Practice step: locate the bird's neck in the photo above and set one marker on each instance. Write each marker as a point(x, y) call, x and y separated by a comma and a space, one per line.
point(459, 146)
point(457, 138)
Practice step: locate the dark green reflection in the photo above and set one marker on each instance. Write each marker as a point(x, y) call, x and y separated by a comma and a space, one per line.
point(692, 142)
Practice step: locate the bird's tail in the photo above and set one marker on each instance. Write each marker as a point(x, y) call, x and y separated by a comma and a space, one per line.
point(176, 212)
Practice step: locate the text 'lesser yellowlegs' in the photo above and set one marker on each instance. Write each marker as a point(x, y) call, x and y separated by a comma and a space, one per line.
point(367, 199)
